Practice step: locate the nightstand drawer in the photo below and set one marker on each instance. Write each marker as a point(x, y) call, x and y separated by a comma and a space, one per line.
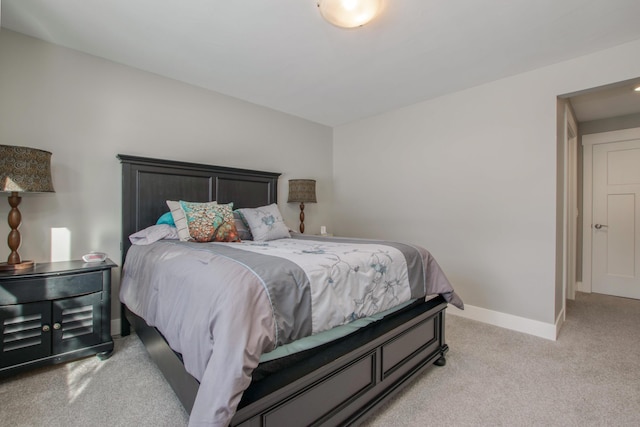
point(20, 291)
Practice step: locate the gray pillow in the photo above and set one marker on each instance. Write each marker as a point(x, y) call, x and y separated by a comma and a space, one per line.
point(243, 231)
point(153, 234)
point(265, 223)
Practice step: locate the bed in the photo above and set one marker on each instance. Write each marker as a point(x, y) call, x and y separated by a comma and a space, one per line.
point(335, 383)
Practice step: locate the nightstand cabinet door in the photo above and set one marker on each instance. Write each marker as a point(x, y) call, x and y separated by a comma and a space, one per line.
point(76, 322)
point(25, 331)
point(53, 313)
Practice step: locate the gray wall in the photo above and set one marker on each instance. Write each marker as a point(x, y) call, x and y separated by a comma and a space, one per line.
point(473, 177)
point(85, 110)
point(606, 125)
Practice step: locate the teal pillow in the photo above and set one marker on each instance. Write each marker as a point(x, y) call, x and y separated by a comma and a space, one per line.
point(166, 218)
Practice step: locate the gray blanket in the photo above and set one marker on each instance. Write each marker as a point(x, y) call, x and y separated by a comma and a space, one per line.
point(221, 305)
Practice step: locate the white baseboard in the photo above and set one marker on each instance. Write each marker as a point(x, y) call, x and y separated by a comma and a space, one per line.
point(582, 287)
point(507, 321)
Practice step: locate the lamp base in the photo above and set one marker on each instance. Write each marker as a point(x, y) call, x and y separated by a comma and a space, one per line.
point(20, 266)
point(302, 217)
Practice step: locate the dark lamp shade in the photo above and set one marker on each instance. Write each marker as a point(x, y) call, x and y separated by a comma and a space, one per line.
point(25, 170)
point(302, 191)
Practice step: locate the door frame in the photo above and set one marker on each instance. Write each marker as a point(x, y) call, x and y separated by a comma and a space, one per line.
point(588, 142)
point(570, 207)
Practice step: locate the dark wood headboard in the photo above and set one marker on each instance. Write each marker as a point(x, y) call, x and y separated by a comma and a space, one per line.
point(148, 183)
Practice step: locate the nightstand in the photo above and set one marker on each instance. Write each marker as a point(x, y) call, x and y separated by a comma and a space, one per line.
point(53, 313)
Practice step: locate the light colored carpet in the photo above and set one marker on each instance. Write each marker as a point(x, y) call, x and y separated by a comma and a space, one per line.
point(493, 377)
point(497, 377)
point(124, 390)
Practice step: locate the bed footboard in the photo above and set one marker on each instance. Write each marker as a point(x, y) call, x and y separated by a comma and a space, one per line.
point(337, 385)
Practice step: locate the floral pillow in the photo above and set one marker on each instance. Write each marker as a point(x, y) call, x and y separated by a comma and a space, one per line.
point(210, 222)
point(265, 223)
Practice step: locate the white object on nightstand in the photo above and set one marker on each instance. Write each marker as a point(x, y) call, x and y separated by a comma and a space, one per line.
point(94, 257)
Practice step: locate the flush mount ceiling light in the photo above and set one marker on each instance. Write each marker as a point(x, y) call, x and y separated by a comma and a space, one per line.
point(349, 13)
point(637, 89)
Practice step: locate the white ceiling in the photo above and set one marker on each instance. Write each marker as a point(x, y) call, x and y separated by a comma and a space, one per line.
point(282, 55)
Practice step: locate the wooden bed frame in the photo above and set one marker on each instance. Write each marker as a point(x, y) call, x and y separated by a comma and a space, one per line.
point(335, 384)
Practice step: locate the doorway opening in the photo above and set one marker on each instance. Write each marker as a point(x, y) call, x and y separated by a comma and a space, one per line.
point(608, 108)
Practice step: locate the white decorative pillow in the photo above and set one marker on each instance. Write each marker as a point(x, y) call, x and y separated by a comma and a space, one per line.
point(265, 223)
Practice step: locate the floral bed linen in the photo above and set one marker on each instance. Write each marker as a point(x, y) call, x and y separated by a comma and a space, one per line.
point(222, 305)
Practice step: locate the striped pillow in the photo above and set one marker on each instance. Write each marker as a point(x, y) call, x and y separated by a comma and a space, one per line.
point(180, 220)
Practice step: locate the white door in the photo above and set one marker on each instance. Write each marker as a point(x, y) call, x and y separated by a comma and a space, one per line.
point(615, 221)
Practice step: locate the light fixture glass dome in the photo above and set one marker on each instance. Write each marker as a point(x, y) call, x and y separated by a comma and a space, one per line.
point(349, 13)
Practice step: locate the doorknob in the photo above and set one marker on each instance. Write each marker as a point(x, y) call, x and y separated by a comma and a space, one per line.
point(599, 226)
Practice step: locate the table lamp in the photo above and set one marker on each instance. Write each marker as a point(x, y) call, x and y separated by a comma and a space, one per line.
point(22, 170)
point(302, 191)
